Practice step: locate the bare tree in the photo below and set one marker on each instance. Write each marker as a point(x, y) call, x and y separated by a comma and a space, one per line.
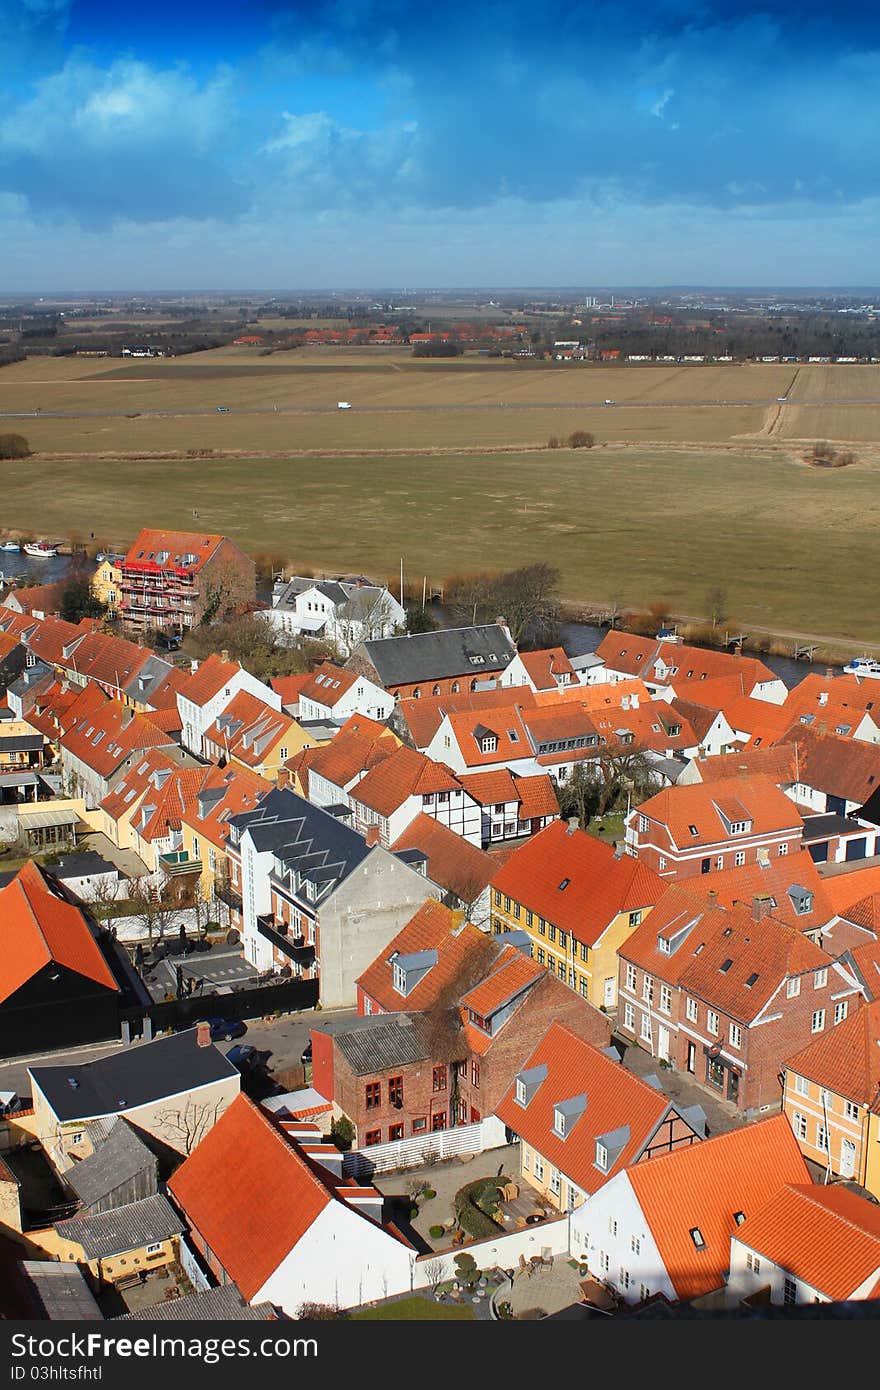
point(580, 793)
point(359, 619)
point(435, 1272)
point(159, 913)
point(716, 603)
point(184, 1127)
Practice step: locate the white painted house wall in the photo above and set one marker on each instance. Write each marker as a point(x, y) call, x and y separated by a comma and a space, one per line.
point(197, 719)
point(343, 1259)
point(363, 697)
point(604, 1232)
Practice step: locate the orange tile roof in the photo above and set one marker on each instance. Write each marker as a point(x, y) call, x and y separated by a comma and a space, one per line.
point(828, 1237)
point(402, 774)
point(544, 666)
point(44, 597)
point(164, 695)
point(758, 720)
point(100, 656)
point(469, 727)
point(168, 720)
point(597, 885)
point(212, 674)
point(490, 788)
point(52, 635)
point(40, 927)
point(248, 730)
point(702, 1186)
point(717, 693)
point(537, 796)
point(779, 763)
point(149, 544)
point(126, 796)
point(464, 953)
point(845, 1059)
point(289, 687)
point(242, 790)
point(866, 959)
point(511, 974)
point(637, 656)
point(605, 695)
point(754, 798)
point(327, 684)
point(844, 767)
point(853, 886)
point(251, 1212)
point(615, 1097)
point(423, 717)
point(122, 732)
point(741, 885)
point(453, 863)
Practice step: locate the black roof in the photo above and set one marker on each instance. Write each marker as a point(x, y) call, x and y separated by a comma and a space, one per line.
point(829, 823)
point(132, 1077)
point(426, 656)
point(82, 864)
point(116, 1161)
point(304, 838)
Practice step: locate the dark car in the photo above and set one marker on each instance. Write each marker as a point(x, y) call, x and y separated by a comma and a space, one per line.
point(306, 1055)
point(225, 1029)
point(243, 1055)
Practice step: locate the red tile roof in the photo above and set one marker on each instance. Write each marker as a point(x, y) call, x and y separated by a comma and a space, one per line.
point(511, 974)
point(702, 1186)
point(853, 886)
point(756, 799)
point(866, 959)
point(121, 732)
point(845, 1059)
point(241, 791)
point(248, 730)
point(99, 656)
point(605, 695)
point(828, 1237)
point(537, 796)
point(453, 864)
point(145, 551)
point(327, 684)
point(249, 1193)
point(39, 927)
point(741, 885)
point(615, 1097)
point(779, 763)
point(402, 774)
point(464, 954)
point(470, 727)
point(638, 656)
point(423, 717)
point(761, 722)
point(597, 886)
point(360, 745)
point(212, 674)
point(844, 767)
point(289, 687)
point(545, 666)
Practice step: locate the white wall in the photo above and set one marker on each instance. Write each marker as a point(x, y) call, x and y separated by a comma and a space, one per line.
point(344, 1259)
point(602, 1232)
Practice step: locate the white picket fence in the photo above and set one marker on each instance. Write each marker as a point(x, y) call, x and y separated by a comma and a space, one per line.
point(427, 1148)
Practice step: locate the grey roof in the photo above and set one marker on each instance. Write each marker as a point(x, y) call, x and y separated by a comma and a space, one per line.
point(32, 676)
point(211, 1305)
point(615, 1141)
point(132, 1077)
point(145, 680)
point(425, 656)
point(305, 840)
point(572, 1108)
point(83, 864)
point(18, 779)
point(117, 1159)
point(59, 1291)
point(695, 1116)
point(531, 1079)
point(379, 1041)
point(126, 1228)
point(21, 743)
point(820, 827)
point(586, 661)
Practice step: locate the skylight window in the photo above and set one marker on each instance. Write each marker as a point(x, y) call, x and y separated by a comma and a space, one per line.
point(739, 1217)
point(725, 965)
point(697, 1237)
point(693, 829)
point(564, 884)
point(751, 980)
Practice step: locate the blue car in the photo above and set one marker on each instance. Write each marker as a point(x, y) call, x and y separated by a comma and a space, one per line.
point(225, 1029)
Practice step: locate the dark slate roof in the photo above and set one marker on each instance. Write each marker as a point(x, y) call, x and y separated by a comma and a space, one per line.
point(126, 1228)
point(117, 1159)
point(426, 656)
point(211, 1305)
point(823, 826)
point(379, 1041)
point(31, 676)
point(82, 864)
point(304, 839)
point(147, 678)
point(133, 1077)
point(21, 743)
point(59, 1291)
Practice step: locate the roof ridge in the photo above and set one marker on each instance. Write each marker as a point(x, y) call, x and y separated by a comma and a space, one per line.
point(806, 1192)
point(21, 884)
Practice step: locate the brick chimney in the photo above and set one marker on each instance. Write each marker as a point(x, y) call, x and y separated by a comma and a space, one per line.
point(712, 897)
point(829, 673)
point(224, 654)
point(203, 1035)
point(761, 907)
point(372, 836)
point(283, 779)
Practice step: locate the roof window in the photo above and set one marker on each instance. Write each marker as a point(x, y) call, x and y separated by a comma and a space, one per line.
point(697, 1237)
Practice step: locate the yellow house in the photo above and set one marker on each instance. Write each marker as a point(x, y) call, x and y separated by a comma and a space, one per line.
point(831, 1095)
point(129, 1240)
point(578, 902)
point(255, 736)
point(107, 583)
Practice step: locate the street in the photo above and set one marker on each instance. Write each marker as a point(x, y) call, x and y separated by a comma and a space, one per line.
point(283, 1038)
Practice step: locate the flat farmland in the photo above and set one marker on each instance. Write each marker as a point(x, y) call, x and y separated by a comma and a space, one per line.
point(787, 541)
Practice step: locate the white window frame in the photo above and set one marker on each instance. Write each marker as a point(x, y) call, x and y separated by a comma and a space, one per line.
point(793, 987)
point(631, 978)
point(691, 1009)
point(712, 1022)
point(817, 1023)
point(736, 1034)
point(841, 1009)
point(820, 978)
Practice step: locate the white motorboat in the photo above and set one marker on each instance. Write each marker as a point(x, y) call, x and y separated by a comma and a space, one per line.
point(11, 546)
point(40, 549)
point(863, 666)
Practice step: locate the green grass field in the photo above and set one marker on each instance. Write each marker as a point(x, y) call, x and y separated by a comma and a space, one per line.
point(414, 1309)
point(788, 542)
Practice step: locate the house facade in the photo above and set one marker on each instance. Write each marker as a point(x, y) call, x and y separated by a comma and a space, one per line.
point(171, 580)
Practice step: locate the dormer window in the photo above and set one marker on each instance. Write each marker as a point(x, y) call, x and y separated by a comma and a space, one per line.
point(488, 743)
point(520, 1091)
point(399, 979)
point(740, 827)
point(559, 1122)
point(601, 1157)
point(663, 945)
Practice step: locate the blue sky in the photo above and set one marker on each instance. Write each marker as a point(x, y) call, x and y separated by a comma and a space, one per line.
point(279, 145)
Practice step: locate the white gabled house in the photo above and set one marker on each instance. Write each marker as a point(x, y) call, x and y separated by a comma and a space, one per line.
point(338, 611)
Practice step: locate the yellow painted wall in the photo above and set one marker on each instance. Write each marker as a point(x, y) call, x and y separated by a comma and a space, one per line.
point(839, 1126)
point(107, 583)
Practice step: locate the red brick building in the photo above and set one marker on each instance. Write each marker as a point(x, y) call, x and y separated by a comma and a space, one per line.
point(172, 579)
point(727, 995)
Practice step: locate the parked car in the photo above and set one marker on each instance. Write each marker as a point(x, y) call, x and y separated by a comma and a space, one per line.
point(306, 1056)
point(243, 1055)
point(225, 1029)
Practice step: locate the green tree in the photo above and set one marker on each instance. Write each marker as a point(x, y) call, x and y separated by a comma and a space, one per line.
point(77, 600)
point(418, 619)
point(14, 446)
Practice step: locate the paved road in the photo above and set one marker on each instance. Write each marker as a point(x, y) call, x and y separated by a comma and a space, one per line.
point(283, 1038)
point(177, 413)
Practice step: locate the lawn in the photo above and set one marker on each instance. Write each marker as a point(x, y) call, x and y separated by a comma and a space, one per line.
point(414, 1309)
point(786, 541)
